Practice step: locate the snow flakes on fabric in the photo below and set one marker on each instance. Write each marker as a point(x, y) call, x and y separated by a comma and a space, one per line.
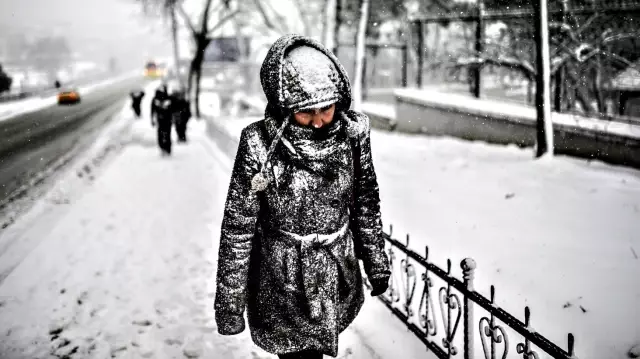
point(289, 253)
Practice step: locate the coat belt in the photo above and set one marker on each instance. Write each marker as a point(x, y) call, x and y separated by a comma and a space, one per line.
point(314, 240)
point(317, 264)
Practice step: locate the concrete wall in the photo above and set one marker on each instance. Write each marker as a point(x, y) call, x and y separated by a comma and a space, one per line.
point(459, 116)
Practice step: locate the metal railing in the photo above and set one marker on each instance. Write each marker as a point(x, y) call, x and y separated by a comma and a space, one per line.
point(581, 79)
point(412, 273)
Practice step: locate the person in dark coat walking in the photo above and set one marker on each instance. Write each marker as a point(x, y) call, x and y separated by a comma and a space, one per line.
point(164, 120)
point(136, 101)
point(159, 97)
point(302, 208)
point(181, 110)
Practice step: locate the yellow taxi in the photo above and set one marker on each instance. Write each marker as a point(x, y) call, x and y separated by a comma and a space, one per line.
point(68, 96)
point(153, 70)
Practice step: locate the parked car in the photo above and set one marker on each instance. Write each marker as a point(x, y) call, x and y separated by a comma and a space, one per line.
point(68, 96)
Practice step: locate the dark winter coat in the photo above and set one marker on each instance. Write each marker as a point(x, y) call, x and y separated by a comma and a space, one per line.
point(180, 109)
point(158, 99)
point(302, 286)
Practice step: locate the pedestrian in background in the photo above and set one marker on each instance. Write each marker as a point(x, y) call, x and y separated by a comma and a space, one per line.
point(136, 101)
point(181, 109)
point(302, 208)
point(163, 118)
point(159, 97)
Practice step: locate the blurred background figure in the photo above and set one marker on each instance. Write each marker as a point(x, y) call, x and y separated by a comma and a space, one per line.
point(181, 112)
point(136, 100)
point(164, 119)
point(158, 98)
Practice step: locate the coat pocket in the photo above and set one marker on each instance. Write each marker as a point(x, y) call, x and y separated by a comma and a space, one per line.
point(284, 267)
point(349, 267)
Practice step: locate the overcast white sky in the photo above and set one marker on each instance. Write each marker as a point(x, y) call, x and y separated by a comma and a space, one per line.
point(96, 29)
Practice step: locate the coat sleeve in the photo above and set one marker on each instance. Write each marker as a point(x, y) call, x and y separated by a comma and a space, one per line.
point(366, 217)
point(238, 228)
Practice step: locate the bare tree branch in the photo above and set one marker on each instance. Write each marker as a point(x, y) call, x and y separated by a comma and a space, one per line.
point(265, 16)
point(186, 19)
point(222, 21)
point(279, 18)
point(525, 67)
point(303, 16)
point(216, 8)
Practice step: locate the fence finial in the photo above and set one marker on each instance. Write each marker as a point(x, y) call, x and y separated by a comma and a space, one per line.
point(468, 266)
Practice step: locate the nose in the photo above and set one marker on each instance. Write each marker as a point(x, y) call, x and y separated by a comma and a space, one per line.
point(316, 121)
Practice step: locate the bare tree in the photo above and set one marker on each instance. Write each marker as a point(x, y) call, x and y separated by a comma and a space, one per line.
point(200, 32)
point(361, 37)
point(201, 36)
point(330, 32)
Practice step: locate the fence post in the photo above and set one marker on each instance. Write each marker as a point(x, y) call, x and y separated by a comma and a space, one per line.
point(405, 64)
point(468, 266)
point(477, 86)
point(544, 127)
point(418, 24)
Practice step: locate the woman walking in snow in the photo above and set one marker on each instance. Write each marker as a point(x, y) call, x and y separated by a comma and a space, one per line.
point(303, 206)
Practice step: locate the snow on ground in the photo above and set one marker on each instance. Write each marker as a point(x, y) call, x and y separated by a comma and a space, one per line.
point(15, 108)
point(126, 268)
point(560, 235)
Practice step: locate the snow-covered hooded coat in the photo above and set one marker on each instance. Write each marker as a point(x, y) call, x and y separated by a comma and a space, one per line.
point(289, 248)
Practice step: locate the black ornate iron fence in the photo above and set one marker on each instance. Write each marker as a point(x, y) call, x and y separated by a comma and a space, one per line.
point(412, 297)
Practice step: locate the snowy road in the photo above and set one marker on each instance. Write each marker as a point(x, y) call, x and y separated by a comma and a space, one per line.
point(34, 141)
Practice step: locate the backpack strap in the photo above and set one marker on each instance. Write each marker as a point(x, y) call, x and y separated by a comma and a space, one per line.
point(356, 151)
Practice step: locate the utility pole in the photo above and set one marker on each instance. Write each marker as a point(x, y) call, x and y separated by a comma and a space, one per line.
point(544, 126)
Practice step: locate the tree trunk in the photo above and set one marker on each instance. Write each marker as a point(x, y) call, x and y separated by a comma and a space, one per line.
point(190, 79)
point(176, 49)
point(337, 26)
point(361, 37)
point(544, 128)
point(329, 36)
point(202, 44)
point(197, 101)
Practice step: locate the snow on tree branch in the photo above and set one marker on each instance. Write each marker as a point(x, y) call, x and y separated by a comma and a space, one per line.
point(523, 66)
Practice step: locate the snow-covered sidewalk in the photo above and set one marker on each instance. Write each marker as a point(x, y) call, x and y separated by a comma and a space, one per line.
point(126, 269)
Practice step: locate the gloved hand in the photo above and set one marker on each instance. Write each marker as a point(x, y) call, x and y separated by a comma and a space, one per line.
point(379, 284)
point(229, 323)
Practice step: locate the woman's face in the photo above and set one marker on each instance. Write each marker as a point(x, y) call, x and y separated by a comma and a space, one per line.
point(317, 118)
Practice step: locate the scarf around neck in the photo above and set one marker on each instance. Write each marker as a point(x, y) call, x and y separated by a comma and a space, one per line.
point(317, 150)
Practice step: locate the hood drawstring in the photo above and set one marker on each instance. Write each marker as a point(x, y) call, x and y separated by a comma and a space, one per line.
point(260, 181)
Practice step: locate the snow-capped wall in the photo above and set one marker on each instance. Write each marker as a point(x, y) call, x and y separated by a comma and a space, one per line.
point(443, 114)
